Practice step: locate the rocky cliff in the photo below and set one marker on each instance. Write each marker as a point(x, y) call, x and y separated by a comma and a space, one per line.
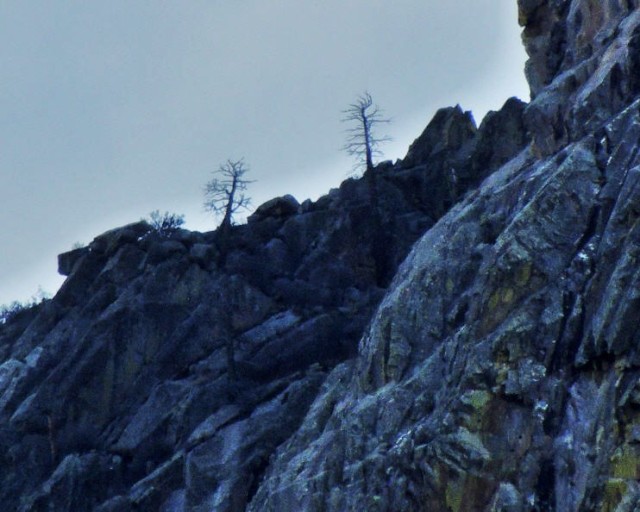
point(171, 365)
point(486, 360)
point(501, 371)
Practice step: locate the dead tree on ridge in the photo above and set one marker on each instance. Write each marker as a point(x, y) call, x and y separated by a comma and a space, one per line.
point(362, 141)
point(225, 193)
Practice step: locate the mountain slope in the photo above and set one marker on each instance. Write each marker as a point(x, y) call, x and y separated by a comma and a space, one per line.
point(486, 360)
point(501, 370)
point(169, 367)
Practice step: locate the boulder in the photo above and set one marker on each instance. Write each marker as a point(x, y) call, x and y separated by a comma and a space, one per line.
point(113, 239)
point(449, 129)
point(67, 260)
point(279, 207)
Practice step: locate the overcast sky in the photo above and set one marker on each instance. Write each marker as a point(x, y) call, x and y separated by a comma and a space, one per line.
point(112, 109)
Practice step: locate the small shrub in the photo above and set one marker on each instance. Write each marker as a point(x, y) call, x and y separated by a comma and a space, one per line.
point(10, 311)
point(165, 224)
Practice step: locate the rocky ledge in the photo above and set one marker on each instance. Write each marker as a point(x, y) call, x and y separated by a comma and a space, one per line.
point(501, 372)
point(170, 366)
point(486, 360)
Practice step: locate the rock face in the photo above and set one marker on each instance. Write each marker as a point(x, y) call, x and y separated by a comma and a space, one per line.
point(165, 374)
point(487, 360)
point(501, 370)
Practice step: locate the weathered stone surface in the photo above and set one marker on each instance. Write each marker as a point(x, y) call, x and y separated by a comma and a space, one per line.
point(67, 260)
point(457, 156)
point(156, 350)
point(487, 360)
point(448, 130)
point(203, 254)
point(509, 325)
point(110, 241)
point(78, 483)
point(582, 68)
point(277, 207)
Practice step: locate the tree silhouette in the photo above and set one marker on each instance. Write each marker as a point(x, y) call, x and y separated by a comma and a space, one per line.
point(362, 141)
point(225, 193)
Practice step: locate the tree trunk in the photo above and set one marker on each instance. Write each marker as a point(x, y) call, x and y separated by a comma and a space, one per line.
point(231, 361)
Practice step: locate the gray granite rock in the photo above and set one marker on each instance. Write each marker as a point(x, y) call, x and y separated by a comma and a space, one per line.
point(489, 363)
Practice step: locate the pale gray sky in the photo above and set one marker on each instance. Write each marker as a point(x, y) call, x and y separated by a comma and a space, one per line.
point(110, 110)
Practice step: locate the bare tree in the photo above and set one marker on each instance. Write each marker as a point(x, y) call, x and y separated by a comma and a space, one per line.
point(223, 312)
point(362, 142)
point(225, 193)
point(227, 307)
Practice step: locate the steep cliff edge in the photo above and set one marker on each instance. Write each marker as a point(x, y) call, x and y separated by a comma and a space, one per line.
point(495, 369)
point(169, 367)
point(502, 370)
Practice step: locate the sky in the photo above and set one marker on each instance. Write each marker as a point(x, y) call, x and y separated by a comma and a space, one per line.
point(110, 110)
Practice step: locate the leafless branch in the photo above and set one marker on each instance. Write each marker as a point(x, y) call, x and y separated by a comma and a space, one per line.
point(362, 142)
point(226, 193)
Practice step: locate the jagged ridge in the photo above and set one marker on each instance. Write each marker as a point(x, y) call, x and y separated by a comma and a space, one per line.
point(115, 395)
point(501, 369)
point(499, 372)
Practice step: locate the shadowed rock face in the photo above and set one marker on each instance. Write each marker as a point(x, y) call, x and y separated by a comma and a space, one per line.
point(501, 370)
point(583, 67)
point(169, 367)
point(486, 360)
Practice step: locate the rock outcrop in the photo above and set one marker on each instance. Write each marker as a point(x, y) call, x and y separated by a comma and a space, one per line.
point(501, 370)
point(487, 360)
point(163, 376)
